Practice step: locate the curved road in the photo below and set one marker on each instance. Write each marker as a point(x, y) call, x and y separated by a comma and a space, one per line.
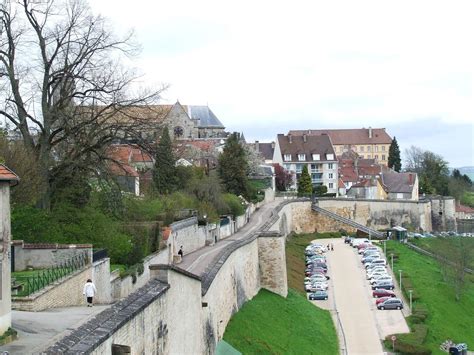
point(198, 261)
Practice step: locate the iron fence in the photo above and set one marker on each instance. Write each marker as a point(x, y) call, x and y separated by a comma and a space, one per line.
point(46, 277)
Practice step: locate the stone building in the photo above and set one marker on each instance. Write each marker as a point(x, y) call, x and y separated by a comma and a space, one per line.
point(7, 178)
point(317, 152)
point(369, 143)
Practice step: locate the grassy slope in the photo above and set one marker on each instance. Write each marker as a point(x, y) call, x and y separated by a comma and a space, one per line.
point(436, 245)
point(271, 324)
point(447, 318)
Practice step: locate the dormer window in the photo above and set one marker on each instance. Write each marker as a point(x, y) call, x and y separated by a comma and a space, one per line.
point(301, 157)
point(316, 157)
point(330, 156)
point(287, 157)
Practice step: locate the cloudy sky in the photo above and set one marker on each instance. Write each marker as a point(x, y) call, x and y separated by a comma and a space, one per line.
point(265, 67)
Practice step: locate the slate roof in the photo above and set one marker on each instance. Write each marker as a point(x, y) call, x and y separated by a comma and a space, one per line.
point(7, 174)
point(350, 136)
point(398, 182)
point(266, 149)
point(313, 145)
point(204, 116)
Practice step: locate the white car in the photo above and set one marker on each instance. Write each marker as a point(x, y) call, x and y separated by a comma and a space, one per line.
point(377, 268)
point(368, 250)
point(310, 280)
point(376, 274)
point(381, 278)
point(376, 262)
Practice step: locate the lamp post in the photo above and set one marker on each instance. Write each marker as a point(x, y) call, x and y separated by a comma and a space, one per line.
point(410, 291)
point(400, 271)
point(385, 248)
point(391, 255)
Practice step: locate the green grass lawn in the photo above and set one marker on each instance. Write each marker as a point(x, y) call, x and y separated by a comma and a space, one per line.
point(437, 245)
point(270, 324)
point(447, 318)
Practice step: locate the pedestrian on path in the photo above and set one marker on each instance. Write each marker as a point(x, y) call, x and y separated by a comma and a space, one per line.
point(89, 291)
point(180, 252)
point(332, 247)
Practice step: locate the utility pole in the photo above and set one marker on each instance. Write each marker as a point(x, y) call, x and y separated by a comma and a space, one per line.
point(400, 271)
point(411, 291)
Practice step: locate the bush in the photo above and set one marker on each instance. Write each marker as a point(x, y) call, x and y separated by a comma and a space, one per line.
point(234, 206)
point(411, 343)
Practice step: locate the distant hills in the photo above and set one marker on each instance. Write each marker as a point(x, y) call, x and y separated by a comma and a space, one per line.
point(468, 170)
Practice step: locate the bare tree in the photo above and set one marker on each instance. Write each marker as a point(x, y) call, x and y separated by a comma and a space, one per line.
point(64, 87)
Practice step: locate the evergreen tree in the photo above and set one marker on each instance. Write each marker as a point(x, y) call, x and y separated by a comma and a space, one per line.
point(305, 186)
point(394, 161)
point(233, 166)
point(164, 173)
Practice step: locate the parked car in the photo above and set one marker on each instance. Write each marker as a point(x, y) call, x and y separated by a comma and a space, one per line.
point(388, 285)
point(375, 275)
point(370, 250)
point(391, 303)
point(375, 262)
point(374, 270)
point(380, 278)
point(317, 286)
point(382, 293)
point(382, 299)
point(347, 240)
point(318, 295)
point(370, 258)
point(314, 278)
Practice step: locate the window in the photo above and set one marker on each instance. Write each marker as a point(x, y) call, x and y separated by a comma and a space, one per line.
point(299, 168)
point(369, 156)
point(383, 148)
point(361, 148)
point(383, 156)
point(376, 156)
point(330, 166)
point(287, 157)
point(331, 185)
point(376, 148)
point(301, 157)
point(341, 148)
point(368, 148)
point(316, 157)
point(331, 175)
point(287, 167)
point(330, 156)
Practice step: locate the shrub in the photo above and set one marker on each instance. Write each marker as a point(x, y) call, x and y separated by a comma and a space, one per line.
point(234, 206)
point(411, 343)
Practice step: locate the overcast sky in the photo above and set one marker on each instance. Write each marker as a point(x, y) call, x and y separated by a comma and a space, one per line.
point(266, 67)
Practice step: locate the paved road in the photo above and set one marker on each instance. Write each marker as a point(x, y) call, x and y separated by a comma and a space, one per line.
point(197, 261)
point(351, 295)
point(37, 330)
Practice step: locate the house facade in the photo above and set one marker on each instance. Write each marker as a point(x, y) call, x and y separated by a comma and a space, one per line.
point(368, 143)
point(316, 152)
point(7, 179)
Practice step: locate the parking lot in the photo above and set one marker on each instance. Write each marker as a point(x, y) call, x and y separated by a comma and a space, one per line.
point(350, 296)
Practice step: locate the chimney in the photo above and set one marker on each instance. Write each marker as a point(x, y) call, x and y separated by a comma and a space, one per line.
point(304, 138)
point(370, 132)
point(273, 145)
point(257, 146)
point(290, 139)
point(410, 179)
point(309, 131)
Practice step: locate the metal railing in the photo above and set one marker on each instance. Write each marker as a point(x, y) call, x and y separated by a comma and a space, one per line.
point(46, 277)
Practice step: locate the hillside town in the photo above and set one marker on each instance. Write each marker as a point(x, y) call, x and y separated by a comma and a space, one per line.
point(256, 224)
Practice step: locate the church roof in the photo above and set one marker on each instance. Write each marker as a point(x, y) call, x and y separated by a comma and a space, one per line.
point(204, 116)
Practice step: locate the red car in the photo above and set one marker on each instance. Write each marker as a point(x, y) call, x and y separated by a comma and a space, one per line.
point(382, 299)
point(380, 292)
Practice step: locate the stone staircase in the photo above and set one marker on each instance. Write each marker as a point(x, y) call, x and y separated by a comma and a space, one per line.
point(349, 222)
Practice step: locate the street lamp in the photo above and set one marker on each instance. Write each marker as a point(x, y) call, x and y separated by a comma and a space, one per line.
point(391, 255)
point(385, 248)
point(400, 271)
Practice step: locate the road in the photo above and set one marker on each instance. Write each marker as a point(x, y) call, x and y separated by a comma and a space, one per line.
point(38, 330)
point(351, 296)
point(197, 261)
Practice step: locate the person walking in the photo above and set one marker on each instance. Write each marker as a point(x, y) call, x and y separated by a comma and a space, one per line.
point(180, 252)
point(89, 291)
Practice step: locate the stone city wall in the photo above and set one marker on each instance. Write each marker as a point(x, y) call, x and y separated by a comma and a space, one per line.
point(43, 256)
point(64, 293)
point(380, 214)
